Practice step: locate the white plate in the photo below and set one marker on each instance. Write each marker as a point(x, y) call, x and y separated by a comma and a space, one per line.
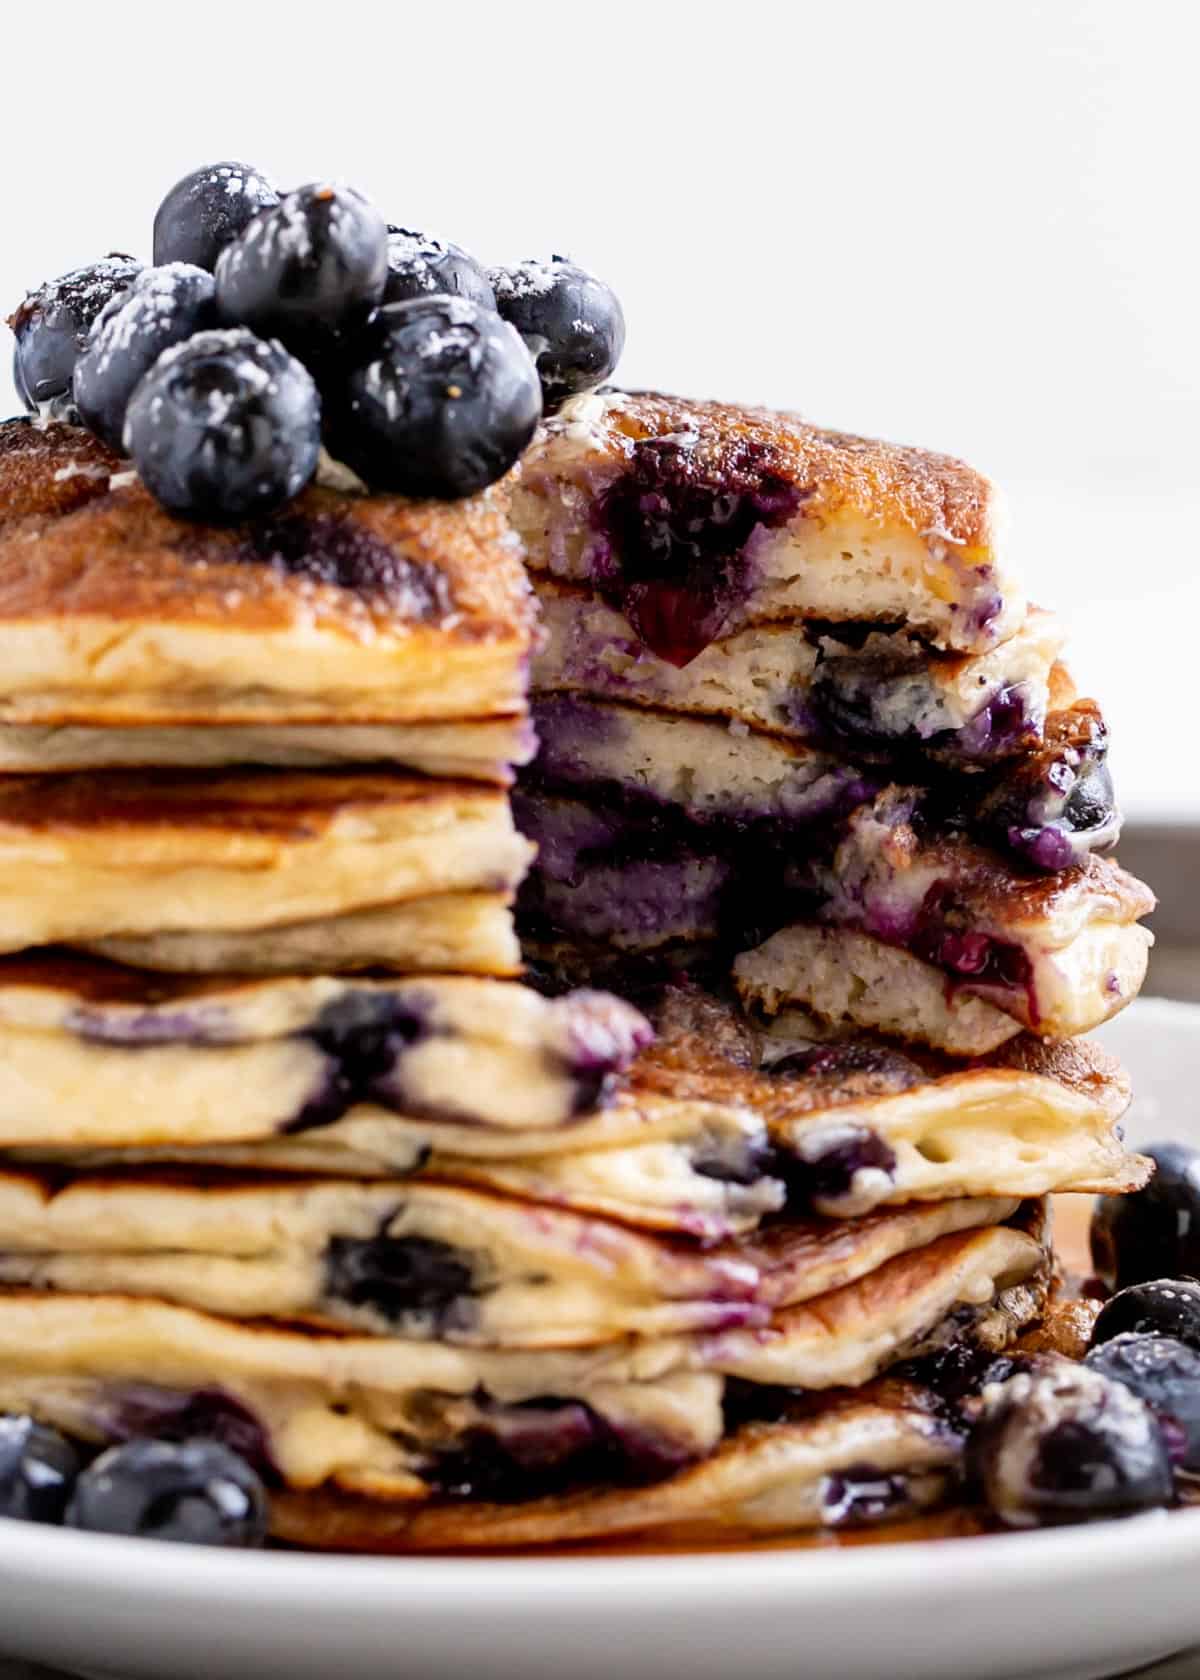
point(1071, 1603)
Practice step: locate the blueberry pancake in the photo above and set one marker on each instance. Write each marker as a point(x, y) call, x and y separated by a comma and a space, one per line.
point(429, 1260)
point(88, 1050)
point(866, 689)
point(406, 1420)
point(146, 853)
point(339, 610)
point(695, 519)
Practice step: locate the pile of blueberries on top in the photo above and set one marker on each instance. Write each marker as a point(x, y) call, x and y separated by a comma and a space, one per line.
point(1059, 1442)
point(271, 324)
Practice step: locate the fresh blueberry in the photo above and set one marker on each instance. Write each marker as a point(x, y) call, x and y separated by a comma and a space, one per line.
point(440, 400)
point(208, 208)
point(1163, 1307)
point(1154, 1233)
point(224, 427)
point(164, 306)
point(197, 1492)
point(1165, 1373)
point(1067, 1444)
point(38, 1468)
point(52, 326)
point(307, 267)
point(418, 264)
point(571, 322)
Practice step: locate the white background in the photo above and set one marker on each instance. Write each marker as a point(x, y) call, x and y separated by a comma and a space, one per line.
point(965, 223)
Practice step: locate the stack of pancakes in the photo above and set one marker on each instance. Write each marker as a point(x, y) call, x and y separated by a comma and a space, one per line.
point(295, 1158)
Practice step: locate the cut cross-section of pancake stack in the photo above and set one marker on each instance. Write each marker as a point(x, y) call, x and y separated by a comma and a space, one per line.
point(295, 1158)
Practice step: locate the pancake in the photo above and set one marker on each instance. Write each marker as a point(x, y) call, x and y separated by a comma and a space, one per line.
point(341, 609)
point(846, 1461)
point(96, 1056)
point(477, 750)
point(872, 689)
point(136, 853)
point(427, 1260)
point(401, 1419)
point(463, 933)
point(697, 518)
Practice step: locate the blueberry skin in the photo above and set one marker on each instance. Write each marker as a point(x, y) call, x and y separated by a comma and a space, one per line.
point(224, 427)
point(1067, 1444)
point(1155, 1233)
point(1165, 1373)
point(38, 1470)
point(307, 267)
point(195, 1492)
point(420, 265)
point(52, 325)
point(164, 306)
point(207, 209)
point(572, 324)
point(440, 400)
point(1163, 1307)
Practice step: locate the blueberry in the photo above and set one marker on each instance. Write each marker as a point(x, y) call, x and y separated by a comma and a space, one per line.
point(418, 265)
point(38, 1468)
point(208, 208)
point(197, 1492)
point(1154, 1233)
point(1165, 1373)
point(224, 426)
point(402, 1277)
point(571, 322)
point(307, 267)
point(1164, 1307)
point(52, 326)
point(440, 400)
point(1067, 1444)
point(164, 306)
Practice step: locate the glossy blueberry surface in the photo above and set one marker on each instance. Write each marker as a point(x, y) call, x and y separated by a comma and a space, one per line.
point(306, 267)
point(419, 264)
point(571, 323)
point(1154, 1233)
point(195, 1492)
point(51, 327)
point(208, 208)
point(1159, 1307)
point(439, 398)
point(38, 1468)
point(224, 426)
point(163, 307)
point(862, 1495)
point(143, 1410)
point(1165, 1373)
point(1068, 1444)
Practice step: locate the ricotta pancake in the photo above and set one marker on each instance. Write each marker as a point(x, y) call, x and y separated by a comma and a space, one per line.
point(339, 610)
point(697, 518)
point(484, 749)
point(400, 1419)
point(872, 689)
point(96, 1056)
point(429, 1260)
point(144, 853)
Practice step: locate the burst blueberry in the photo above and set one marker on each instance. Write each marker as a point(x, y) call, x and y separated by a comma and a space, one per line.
point(51, 328)
point(572, 324)
point(307, 267)
point(1155, 1233)
point(207, 209)
point(38, 1468)
point(224, 427)
point(164, 306)
point(419, 265)
point(1161, 1307)
point(441, 399)
point(195, 1492)
point(1067, 1444)
point(1165, 1373)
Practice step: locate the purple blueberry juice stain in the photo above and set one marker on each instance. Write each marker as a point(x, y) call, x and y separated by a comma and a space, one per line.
point(677, 527)
point(862, 1495)
point(829, 1174)
point(141, 1029)
point(404, 1279)
point(135, 1410)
